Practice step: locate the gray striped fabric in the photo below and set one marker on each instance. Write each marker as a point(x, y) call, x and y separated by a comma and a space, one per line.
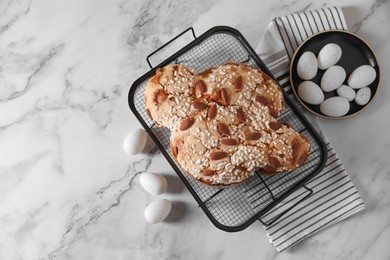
point(335, 197)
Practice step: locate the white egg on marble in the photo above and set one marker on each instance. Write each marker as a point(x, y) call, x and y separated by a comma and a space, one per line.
point(157, 211)
point(335, 107)
point(362, 77)
point(135, 141)
point(307, 66)
point(363, 96)
point(310, 92)
point(153, 183)
point(346, 92)
point(332, 78)
point(328, 56)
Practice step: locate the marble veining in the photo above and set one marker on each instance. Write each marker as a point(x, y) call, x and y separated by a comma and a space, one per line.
point(373, 7)
point(67, 189)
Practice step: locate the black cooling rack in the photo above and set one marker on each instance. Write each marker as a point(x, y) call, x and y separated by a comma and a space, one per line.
point(232, 208)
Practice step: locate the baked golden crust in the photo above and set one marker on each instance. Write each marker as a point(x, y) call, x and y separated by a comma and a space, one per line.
point(222, 122)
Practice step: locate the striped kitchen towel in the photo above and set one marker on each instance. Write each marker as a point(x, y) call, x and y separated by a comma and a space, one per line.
point(335, 197)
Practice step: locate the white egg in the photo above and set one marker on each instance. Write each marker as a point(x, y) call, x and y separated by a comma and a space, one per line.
point(362, 77)
point(153, 183)
point(346, 92)
point(307, 66)
point(332, 78)
point(328, 56)
point(363, 96)
point(335, 107)
point(157, 211)
point(310, 92)
point(135, 141)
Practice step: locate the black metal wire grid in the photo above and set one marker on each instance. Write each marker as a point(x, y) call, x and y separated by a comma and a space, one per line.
point(234, 206)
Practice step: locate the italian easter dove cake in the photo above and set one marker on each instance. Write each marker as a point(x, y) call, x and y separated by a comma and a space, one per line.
point(223, 122)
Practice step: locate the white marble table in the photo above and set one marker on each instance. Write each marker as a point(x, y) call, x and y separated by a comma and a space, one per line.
point(67, 189)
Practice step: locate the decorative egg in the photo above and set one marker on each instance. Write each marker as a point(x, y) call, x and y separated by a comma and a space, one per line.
point(362, 77)
point(328, 56)
point(335, 107)
point(153, 183)
point(332, 78)
point(157, 211)
point(307, 66)
point(363, 96)
point(310, 92)
point(346, 92)
point(135, 141)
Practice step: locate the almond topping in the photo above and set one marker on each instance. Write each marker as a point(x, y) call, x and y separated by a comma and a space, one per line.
point(253, 136)
point(175, 151)
point(161, 97)
point(199, 105)
point(201, 86)
point(223, 129)
point(262, 100)
point(149, 114)
point(241, 168)
point(274, 162)
point(267, 169)
point(186, 123)
point(237, 83)
point(225, 96)
point(241, 115)
point(207, 172)
point(229, 141)
point(157, 77)
point(159, 71)
point(212, 112)
point(218, 156)
point(275, 125)
point(273, 113)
